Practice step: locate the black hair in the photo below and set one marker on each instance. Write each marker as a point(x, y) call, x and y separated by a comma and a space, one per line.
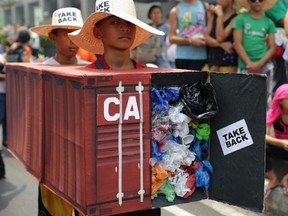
point(151, 9)
point(54, 31)
point(97, 23)
point(23, 36)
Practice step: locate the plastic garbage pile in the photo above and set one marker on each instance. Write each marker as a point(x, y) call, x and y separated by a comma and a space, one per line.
point(180, 139)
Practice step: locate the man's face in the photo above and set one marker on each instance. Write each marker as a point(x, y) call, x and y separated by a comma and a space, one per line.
point(256, 5)
point(63, 44)
point(115, 32)
point(156, 15)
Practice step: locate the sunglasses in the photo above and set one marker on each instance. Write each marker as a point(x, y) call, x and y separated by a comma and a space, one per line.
point(253, 1)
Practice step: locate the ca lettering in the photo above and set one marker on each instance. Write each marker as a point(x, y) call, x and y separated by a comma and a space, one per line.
point(131, 109)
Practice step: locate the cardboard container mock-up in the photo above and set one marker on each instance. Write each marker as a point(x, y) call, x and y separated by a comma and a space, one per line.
point(25, 121)
point(95, 153)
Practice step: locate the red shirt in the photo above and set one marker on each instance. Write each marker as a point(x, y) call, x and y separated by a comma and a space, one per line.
point(107, 67)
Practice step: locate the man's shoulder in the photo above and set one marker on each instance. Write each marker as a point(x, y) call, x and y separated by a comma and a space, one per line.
point(50, 61)
point(80, 61)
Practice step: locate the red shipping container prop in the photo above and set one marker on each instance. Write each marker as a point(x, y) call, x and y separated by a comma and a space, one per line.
point(24, 100)
point(89, 131)
point(83, 122)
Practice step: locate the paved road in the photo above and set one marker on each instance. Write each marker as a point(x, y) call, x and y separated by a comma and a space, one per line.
point(18, 197)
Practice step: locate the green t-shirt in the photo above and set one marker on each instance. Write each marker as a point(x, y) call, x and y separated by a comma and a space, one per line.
point(254, 32)
point(278, 11)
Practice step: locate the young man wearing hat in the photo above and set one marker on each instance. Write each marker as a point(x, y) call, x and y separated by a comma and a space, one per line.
point(64, 21)
point(114, 41)
point(112, 31)
point(250, 31)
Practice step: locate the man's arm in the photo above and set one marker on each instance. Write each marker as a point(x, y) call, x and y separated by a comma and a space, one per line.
point(271, 49)
point(174, 38)
point(286, 23)
point(237, 34)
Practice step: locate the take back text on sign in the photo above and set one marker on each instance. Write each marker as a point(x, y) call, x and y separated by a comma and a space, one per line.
point(234, 137)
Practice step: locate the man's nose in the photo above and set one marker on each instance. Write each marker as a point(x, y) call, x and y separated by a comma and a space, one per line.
point(126, 26)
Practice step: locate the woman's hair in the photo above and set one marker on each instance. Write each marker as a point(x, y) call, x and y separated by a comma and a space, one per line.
point(23, 36)
point(151, 9)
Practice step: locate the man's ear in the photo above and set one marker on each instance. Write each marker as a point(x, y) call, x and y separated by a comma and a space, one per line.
point(52, 37)
point(97, 33)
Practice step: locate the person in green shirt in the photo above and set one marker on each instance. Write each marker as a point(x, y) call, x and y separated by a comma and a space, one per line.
point(250, 30)
point(278, 12)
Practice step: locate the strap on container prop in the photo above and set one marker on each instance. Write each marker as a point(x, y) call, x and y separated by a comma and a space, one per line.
point(120, 193)
point(141, 192)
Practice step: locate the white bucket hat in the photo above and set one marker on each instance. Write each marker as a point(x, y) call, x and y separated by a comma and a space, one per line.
point(124, 9)
point(64, 18)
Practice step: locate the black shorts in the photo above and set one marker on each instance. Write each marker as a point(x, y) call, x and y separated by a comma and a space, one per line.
point(190, 64)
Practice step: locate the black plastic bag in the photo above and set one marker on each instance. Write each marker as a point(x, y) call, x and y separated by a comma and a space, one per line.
point(199, 100)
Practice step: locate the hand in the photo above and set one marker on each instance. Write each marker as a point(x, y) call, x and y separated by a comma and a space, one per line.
point(284, 144)
point(254, 67)
point(227, 46)
point(14, 45)
point(209, 11)
point(209, 7)
point(199, 41)
point(218, 10)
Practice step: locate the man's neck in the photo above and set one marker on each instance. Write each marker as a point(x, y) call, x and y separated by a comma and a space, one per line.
point(63, 60)
point(255, 14)
point(119, 60)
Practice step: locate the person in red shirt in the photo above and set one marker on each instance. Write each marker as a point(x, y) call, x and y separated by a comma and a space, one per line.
point(113, 34)
point(114, 40)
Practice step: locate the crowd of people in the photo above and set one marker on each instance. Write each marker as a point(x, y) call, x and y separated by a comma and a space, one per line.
point(230, 36)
